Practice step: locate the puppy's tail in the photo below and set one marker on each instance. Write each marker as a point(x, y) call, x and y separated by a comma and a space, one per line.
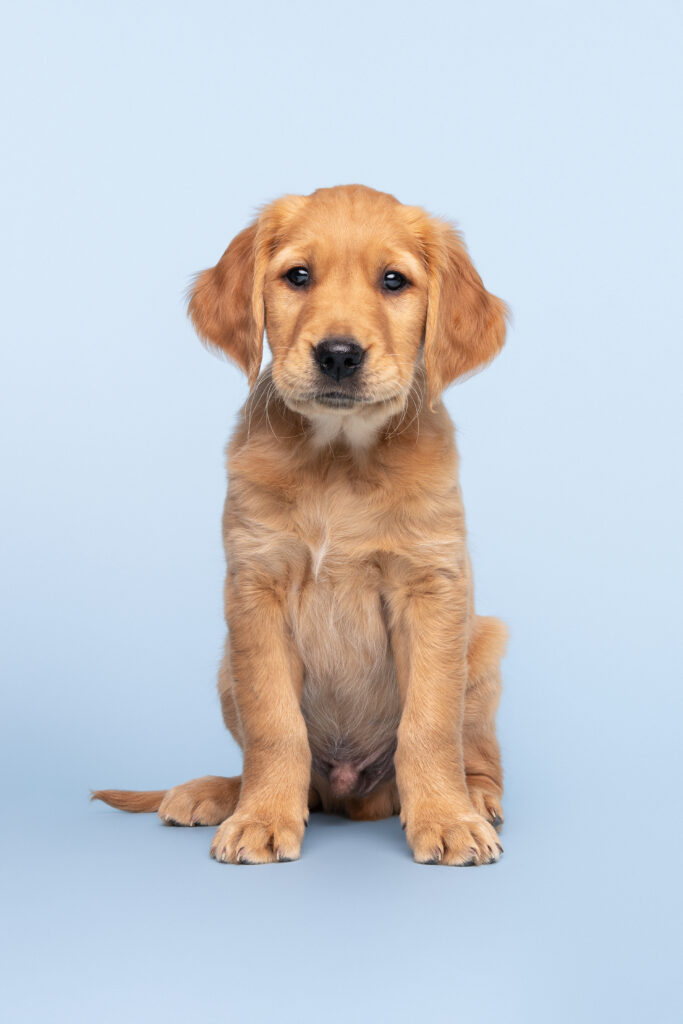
point(136, 801)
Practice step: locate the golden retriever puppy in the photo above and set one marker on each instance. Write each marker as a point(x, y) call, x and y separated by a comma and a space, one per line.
point(357, 677)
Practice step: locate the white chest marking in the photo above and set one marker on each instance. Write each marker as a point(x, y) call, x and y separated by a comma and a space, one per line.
point(359, 428)
point(318, 557)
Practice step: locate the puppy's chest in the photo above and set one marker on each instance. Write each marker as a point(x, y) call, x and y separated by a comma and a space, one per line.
point(335, 603)
point(336, 529)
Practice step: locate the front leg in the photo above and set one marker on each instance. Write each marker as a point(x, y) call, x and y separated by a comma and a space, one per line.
point(269, 820)
point(429, 613)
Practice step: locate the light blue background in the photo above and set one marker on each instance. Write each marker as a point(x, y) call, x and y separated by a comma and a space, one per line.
point(138, 138)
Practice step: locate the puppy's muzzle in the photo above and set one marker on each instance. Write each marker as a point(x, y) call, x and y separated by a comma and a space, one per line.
point(338, 357)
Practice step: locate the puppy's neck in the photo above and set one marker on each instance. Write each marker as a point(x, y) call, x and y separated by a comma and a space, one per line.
point(359, 429)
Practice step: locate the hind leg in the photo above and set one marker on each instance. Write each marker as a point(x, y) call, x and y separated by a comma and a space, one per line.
point(483, 769)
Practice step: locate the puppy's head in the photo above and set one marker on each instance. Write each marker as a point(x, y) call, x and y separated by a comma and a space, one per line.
point(355, 292)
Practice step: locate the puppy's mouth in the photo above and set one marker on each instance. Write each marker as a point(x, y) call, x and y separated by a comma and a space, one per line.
point(337, 399)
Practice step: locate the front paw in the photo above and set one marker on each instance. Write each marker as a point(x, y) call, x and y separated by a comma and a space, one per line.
point(258, 838)
point(459, 839)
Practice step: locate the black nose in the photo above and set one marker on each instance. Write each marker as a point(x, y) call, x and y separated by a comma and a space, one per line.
point(338, 357)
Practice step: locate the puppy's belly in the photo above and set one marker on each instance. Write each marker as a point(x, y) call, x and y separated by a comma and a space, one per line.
point(350, 696)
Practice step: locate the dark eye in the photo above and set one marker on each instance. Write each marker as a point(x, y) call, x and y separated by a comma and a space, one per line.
point(393, 281)
point(298, 276)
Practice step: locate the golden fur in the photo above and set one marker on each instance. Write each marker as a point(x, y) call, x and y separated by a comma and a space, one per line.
point(357, 677)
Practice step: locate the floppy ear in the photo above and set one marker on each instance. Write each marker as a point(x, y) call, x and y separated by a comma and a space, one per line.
point(465, 326)
point(226, 304)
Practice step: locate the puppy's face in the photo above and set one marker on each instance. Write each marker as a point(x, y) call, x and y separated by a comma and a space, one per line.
point(345, 303)
point(357, 293)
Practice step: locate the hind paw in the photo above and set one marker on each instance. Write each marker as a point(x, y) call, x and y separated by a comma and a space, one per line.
point(206, 801)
